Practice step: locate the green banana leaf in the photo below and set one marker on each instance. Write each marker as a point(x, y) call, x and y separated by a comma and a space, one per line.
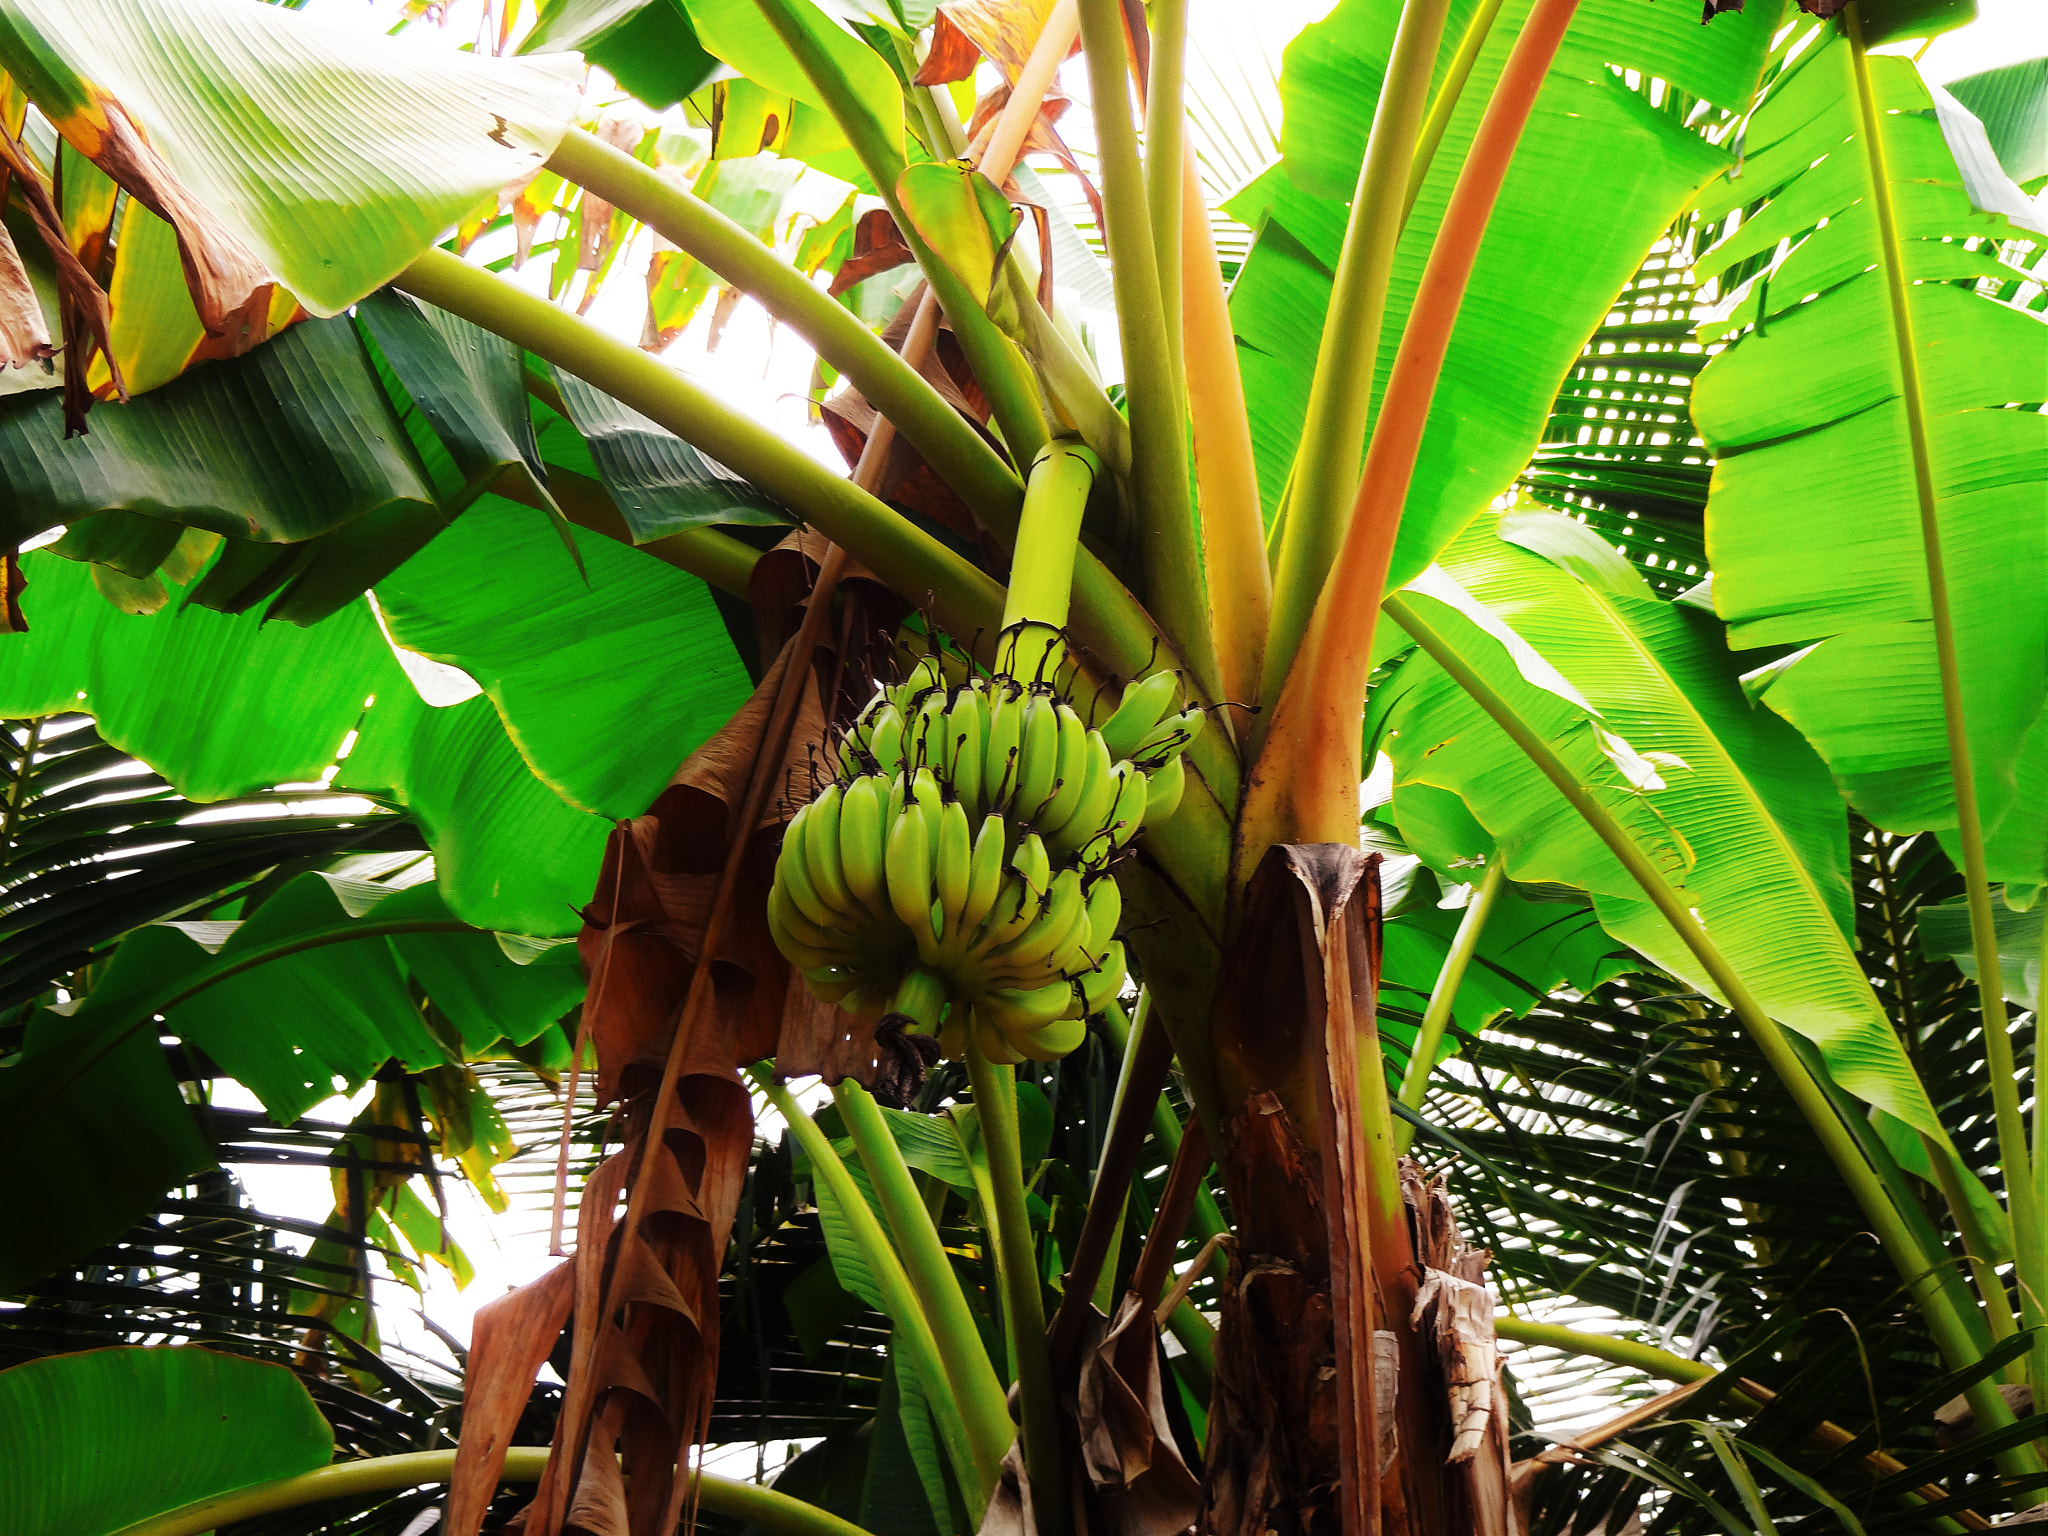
point(648, 46)
point(605, 688)
point(2022, 943)
point(1813, 524)
point(737, 32)
point(662, 485)
point(334, 157)
point(2012, 104)
point(291, 441)
point(308, 997)
point(1765, 833)
point(93, 1442)
point(1599, 174)
point(1531, 946)
point(225, 705)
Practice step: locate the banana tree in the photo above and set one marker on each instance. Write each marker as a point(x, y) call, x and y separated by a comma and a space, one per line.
point(1148, 620)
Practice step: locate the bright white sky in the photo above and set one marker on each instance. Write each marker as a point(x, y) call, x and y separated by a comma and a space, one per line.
point(766, 373)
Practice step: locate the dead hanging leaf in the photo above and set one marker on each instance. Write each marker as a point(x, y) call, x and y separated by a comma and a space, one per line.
point(951, 56)
point(12, 584)
point(1143, 1486)
point(1713, 8)
point(1004, 30)
point(82, 309)
point(508, 1341)
point(877, 247)
point(230, 286)
point(685, 986)
point(594, 231)
point(24, 334)
point(1009, 1511)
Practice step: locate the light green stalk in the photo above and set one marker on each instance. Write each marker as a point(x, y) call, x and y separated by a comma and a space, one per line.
point(749, 1503)
point(1165, 139)
point(995, 1102)
point(1206, 1217)
point(1422, 1058)
point(1326, 464)
point(1926, 1273)
point(2029, 1261)
point(998, 366)
point(904, 556)
point(960, 455)
point(916, 1236)
point(1169, 551)
point(1446, 100)
point(975, 1440)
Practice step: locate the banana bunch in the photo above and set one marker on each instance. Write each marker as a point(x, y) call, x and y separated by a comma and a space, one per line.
point(957, 870)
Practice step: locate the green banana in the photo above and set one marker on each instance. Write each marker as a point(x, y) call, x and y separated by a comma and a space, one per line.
point(1086, 817)
point(1038, 759)
point(1099, 987)
point(999, 752)
point(821, 851)
point(1163, 790)
point(1050, 1043)
point(953, 868)
point(995, 1045)
point(792, 877)
point(1139, 710)
point(832, 982)
point(1032, 864)
point(1070, 779)
point(909, 864)
point(1127, 813)
point(885, 739)
point(967, 733)
point(1015, 1010)
point(862, 844)
point(985, 877)
point(1044, 945)
point(1170, 737)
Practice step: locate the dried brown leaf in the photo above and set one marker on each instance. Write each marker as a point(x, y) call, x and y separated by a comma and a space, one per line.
point(508, 1342)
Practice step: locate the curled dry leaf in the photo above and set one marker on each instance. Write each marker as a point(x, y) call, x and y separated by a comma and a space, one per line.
point(1141, 1484)
point(24, 335)
point(593, 214)
point(82, 310)
point(1004, 30)
point(508, 1341)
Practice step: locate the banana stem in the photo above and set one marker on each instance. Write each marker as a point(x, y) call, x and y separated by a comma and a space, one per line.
point(1165, 143)
point(1340, 391)
point(1208, 1216)
point(975, 1436)
point(1168, 551)
point(995, 1099)
point(907, 558)
point(1042, 562)
point(1422, 1059)
point(1304, 787)
point(998, 366)
point(1446, 100)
